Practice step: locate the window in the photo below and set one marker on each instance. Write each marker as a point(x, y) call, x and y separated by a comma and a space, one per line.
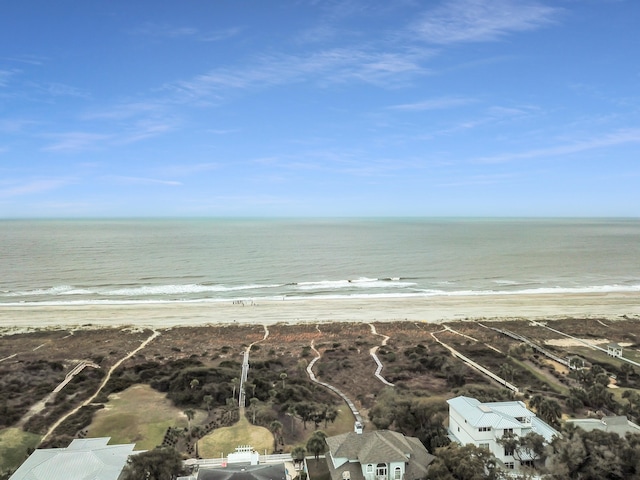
point(381, 470)
point(484, 446)
point(397, 473)
point(508, 451)
point(484, 429)
point(508, 431)
point(509, 465)
point(369, 468)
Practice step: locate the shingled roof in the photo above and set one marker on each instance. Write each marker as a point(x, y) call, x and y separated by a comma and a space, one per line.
point(381, 446)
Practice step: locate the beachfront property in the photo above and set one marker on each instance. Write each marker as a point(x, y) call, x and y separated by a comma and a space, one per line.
point(619, 424)
point(83, 458)
point(614, 350)
point(484, 424)
point(377, 455)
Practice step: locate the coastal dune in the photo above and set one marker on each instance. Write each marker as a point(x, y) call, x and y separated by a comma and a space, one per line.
point(261, 311)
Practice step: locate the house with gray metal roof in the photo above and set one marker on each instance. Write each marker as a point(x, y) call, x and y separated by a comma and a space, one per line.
point(89, 458)
point(483, 424)
point(616, 424)
point(377, 455)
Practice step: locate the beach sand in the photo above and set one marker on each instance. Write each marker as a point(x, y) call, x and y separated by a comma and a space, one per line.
point(416, 309)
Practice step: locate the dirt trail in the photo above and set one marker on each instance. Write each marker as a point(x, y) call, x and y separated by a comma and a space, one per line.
point(104, 382)
point(312, 377)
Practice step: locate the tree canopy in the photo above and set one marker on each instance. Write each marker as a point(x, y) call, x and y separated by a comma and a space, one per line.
point(157, 464)
point(468, 462)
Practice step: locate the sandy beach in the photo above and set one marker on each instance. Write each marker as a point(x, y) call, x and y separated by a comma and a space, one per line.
point(418, 309)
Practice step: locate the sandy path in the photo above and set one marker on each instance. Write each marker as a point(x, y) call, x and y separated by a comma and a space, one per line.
point(104, 382)
point(428, 309)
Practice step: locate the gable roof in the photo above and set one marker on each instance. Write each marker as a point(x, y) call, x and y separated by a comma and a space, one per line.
point(83, 459)
point(243, 472)
point(377, 446)
point(382, 446)
point(485, 415)
point(500, 415)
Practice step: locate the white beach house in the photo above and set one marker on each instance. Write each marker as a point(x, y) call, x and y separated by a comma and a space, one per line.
point(483, 424)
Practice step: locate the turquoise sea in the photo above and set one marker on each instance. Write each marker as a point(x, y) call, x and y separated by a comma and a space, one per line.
point(170, 260)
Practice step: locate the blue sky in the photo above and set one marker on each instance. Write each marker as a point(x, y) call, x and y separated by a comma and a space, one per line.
point(319, 107)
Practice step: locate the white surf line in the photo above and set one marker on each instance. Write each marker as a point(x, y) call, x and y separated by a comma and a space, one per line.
point(602, 323)
point(312, 377)
point(39, 346)
point(373, 351)
point(107, 377)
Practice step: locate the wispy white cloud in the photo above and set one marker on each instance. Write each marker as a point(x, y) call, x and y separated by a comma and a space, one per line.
point(480, 20)
point(493, 115)
point(124, 111)
point(352, 163)
point(143, 130)
point(483, 179)
point(189, 169)
point(33, 187)
point(15, 125)
point(223, 131)
point(5, 76)
point(323, 67)
point(441, 103)
point(59, 90)
point(70, 142)
point(75, 141)
point(168, 31)
point(36, 60)
point(620, 137)
point(125, 180)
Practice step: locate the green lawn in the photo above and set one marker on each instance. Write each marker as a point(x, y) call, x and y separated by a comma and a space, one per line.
point(554, 384)
point(343, 424)
point(138, 415)
point(13, 447)
point(225, 440)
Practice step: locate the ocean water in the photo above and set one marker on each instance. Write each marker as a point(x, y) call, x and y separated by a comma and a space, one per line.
point(168, 260)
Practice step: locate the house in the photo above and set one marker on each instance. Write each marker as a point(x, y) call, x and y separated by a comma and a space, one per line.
point(614, 349)
point(89, 458)
point(619, 424)
point(483, 424)
point(377, 455)
point(243, 472)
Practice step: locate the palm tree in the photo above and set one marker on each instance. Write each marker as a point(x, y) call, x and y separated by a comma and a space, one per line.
point(506, 371)
point(194, 383)
point(535, 401)
point(253, 407)
point(298, 454)
point(234, 384)
point(190, 413)
point(330, 415)
point(208, 401)
point(283, 376)
point(276, 429)
point(550, 411)
point(316, 444)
